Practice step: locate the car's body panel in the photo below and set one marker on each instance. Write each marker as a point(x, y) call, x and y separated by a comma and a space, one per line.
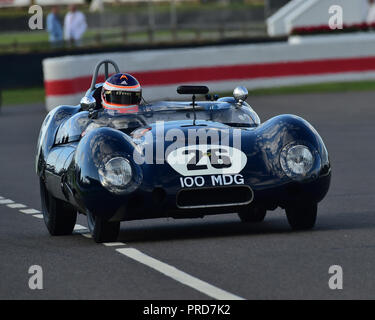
point(73, 145)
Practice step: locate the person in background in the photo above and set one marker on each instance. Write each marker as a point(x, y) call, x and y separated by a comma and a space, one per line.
point(371, 12)
point(74, 25)
point(54, 27)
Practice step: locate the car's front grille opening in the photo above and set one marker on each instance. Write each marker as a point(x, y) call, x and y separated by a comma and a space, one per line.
point(214, 197)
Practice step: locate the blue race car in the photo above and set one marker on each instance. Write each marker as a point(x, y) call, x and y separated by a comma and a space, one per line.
point(115, 157)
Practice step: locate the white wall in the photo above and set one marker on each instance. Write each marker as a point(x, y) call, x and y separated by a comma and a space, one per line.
point(14, 3)
point(314, 13)
point(58, 2)
point(275, 23)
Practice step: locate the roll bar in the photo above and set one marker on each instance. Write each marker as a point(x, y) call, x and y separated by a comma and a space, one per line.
point(106, 63)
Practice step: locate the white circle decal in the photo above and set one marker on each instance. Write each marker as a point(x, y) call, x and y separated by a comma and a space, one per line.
point(205, 159)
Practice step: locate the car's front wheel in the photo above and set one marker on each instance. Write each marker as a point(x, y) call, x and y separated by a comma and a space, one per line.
point(302, 217)
point(254, 215)
point(102, 230)
point(59, 216)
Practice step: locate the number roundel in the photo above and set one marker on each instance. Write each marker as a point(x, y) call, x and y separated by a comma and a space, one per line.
point(204, 159)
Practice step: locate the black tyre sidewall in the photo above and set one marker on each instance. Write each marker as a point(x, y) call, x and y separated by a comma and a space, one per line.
point(102, 230)
point(253, 215)
point(59, 216)
point(302, 217)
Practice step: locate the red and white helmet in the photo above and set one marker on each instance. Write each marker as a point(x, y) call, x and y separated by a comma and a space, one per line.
point(121, 92)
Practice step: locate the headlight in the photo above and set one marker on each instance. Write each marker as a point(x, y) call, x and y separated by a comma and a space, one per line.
point(116, 174)
point(296, 161)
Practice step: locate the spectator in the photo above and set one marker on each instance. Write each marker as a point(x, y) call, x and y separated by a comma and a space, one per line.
point(54, 27)
point(371, 12)
point(74, 25)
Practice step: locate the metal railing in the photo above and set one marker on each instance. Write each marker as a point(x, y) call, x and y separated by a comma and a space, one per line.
point(147, 35)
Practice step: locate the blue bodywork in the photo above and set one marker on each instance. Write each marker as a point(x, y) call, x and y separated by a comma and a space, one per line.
point(74, 144)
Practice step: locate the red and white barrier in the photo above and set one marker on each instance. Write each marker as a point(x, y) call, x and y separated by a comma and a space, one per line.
point(302, 60)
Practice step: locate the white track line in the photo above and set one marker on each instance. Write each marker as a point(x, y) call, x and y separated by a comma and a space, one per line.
point(86, 235)
point(79, 227)
point(16, 206)
point(178, 275)
point(114, 244)
point(164, 268)
point(6, 201)
point(29, 211)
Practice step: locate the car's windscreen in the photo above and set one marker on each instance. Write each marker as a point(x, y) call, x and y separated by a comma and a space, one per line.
point(224, 113)
point(79, 124)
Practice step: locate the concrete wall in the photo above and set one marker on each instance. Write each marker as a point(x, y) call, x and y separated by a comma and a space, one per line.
point(306, 60)
point(276, 23)
point(300, 13)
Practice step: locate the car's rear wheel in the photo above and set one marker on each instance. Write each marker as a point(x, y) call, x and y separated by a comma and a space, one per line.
point(102, 230)
point(60, 217)
point(255, 214)
point(302, 217)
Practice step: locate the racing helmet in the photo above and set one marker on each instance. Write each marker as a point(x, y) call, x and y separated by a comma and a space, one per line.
point(121, 92)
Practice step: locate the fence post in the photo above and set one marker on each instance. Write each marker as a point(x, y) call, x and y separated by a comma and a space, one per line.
point(222, 31)
point(173, 18)
point(197, 34)
point(151, 36)
point(151, 20)
point(266, 8)
point(124, 36)
point(98, 39)
point(244, 29)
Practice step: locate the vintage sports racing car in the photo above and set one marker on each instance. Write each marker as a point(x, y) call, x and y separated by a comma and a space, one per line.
point(176, 159)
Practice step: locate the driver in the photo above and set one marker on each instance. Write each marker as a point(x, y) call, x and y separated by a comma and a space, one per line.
point(121, 93)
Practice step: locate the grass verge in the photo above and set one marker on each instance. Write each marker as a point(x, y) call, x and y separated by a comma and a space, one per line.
point(22, 96)
point(36, 95)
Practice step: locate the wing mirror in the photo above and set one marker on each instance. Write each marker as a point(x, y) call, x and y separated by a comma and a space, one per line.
point(240, 94)
point(88, 103)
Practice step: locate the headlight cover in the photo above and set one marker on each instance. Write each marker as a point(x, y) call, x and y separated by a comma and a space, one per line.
point(297, 161)
point(116, 174)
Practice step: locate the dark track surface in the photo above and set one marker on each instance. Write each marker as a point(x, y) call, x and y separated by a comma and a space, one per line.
point(261, 261)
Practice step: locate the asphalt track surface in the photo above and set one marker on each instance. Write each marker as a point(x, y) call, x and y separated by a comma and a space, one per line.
point(250, 261)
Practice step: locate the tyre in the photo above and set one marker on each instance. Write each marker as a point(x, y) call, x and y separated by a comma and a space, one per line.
point(254, 215)
point(302, 217)
point(102, 230)
point(60, 217)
